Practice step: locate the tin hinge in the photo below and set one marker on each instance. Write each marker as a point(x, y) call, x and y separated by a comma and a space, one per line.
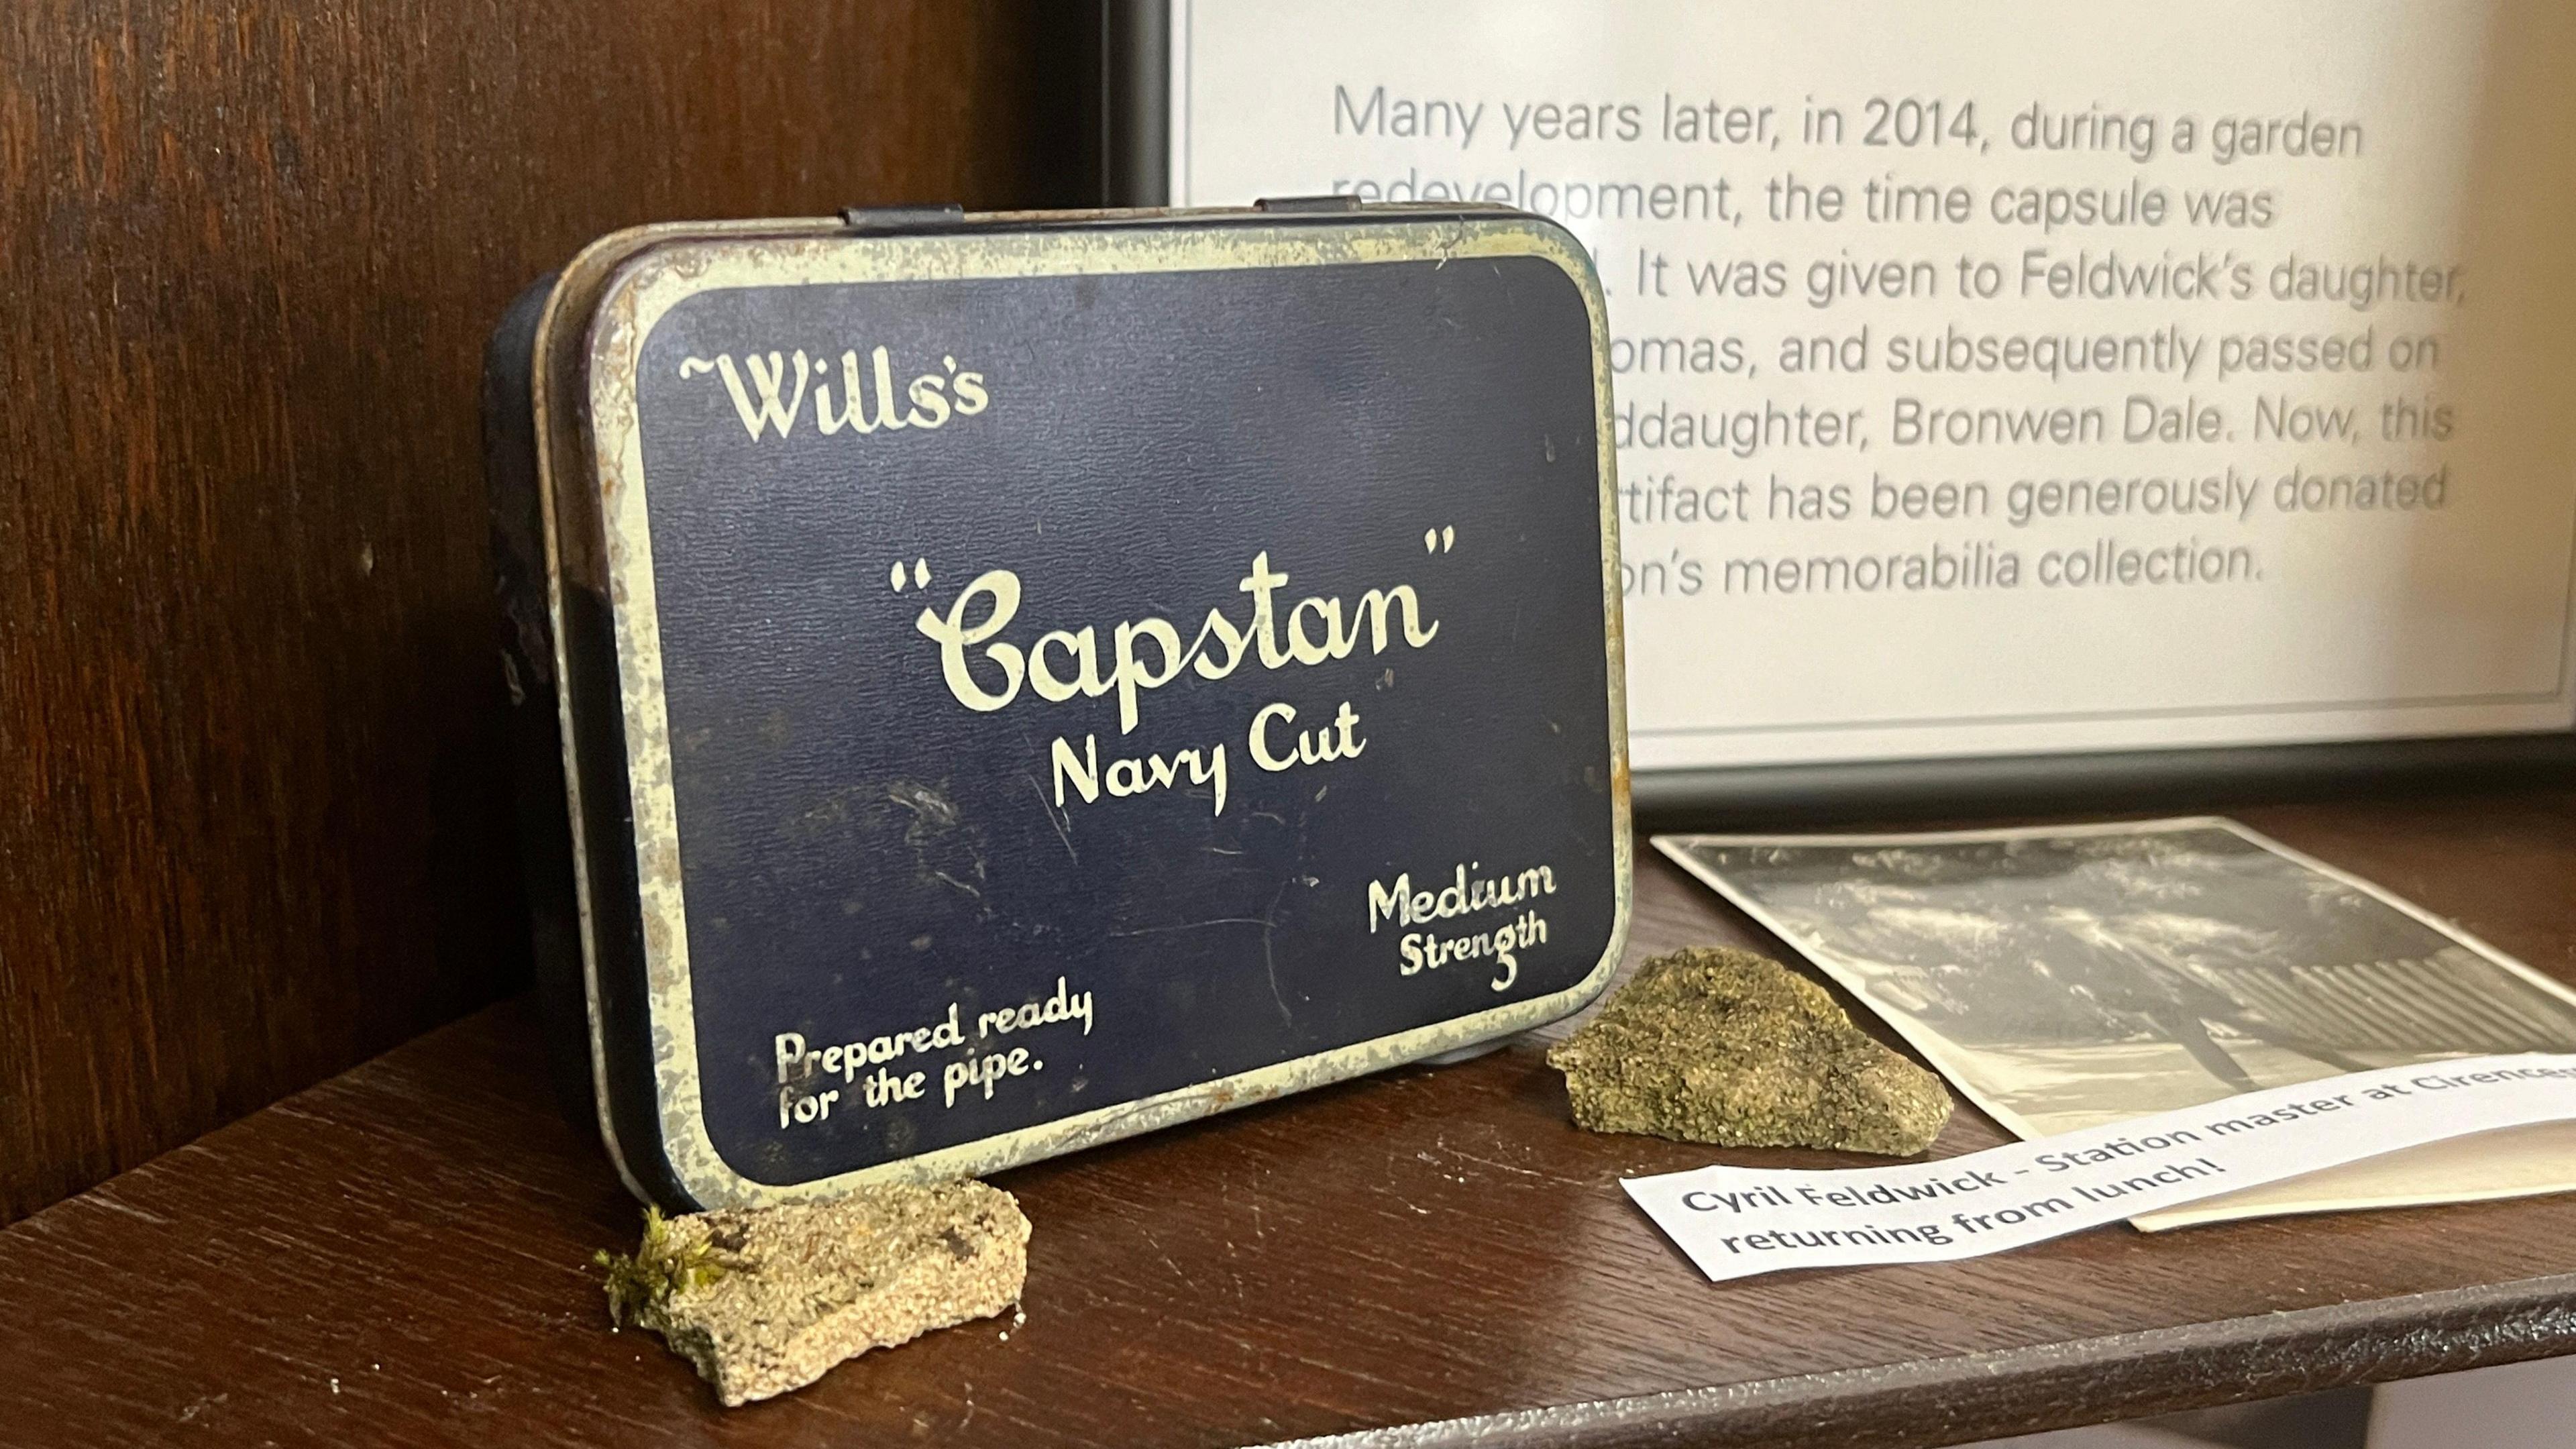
point(877, 220)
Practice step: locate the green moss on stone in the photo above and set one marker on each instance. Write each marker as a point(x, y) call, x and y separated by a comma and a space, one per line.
point(1711, 1044)
point(766, 1300)
point(640, 1287)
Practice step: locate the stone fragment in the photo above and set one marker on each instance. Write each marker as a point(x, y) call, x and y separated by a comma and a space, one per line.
point(1710, 1044)
point(764, 1300)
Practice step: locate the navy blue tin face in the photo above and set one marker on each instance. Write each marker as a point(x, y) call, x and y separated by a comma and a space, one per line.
point(1071, 679)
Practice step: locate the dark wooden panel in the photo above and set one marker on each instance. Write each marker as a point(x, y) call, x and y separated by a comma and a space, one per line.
point(252, 826)
point(397, 1258)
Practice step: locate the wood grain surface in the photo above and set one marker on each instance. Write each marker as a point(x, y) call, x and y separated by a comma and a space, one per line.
point(398, 1257)
point(252, 822)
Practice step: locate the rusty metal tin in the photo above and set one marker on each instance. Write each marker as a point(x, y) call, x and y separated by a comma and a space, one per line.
point(996, 684)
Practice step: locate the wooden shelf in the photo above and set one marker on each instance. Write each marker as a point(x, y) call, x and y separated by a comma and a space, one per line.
point(400, 1256)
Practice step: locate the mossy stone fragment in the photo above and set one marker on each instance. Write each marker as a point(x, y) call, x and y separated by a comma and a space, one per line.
point(764, 1300)
point(1710, 1044)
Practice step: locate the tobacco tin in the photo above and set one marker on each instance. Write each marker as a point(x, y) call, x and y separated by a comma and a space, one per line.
point(995, 684)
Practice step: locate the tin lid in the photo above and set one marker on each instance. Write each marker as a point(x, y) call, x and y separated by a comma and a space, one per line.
point(1049, 677)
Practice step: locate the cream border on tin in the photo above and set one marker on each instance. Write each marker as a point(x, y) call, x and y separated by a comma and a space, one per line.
point(658, 278)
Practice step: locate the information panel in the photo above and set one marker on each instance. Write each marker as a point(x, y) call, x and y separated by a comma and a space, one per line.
point(2013, 377)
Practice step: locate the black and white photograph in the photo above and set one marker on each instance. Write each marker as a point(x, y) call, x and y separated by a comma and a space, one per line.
point(2072, 977)
point(2064, 977)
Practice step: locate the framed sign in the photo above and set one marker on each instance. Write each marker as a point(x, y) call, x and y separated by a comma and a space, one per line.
point(2010, 397)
